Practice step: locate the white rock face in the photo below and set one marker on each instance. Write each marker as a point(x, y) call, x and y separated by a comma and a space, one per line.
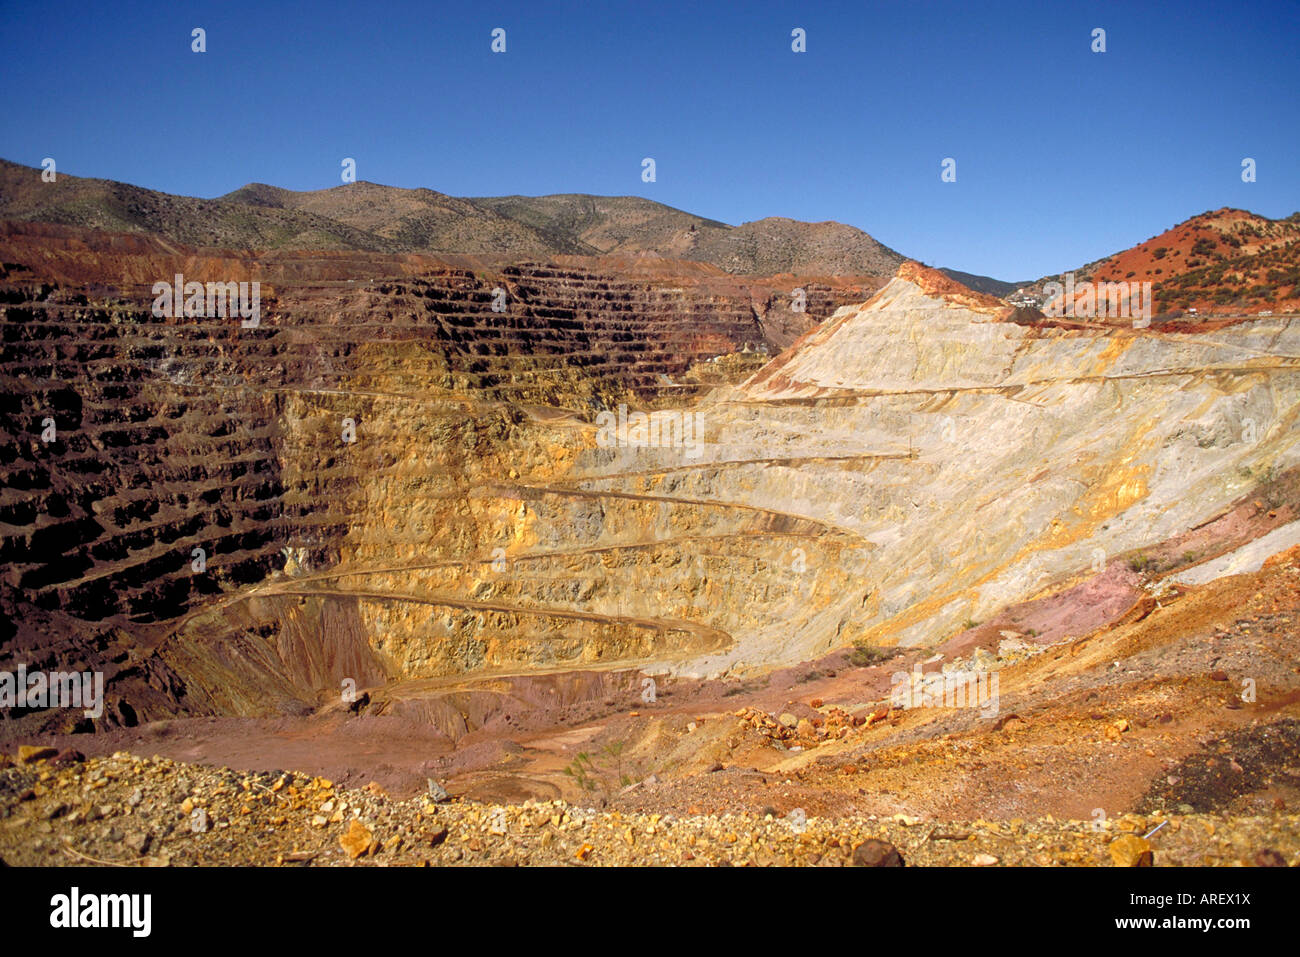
point(973, 462)
point(1249, 558)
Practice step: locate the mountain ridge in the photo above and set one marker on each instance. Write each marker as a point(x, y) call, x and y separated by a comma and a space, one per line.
point(373, 217)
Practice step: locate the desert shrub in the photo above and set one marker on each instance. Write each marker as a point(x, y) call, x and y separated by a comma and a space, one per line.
point(601, 772)
point(865, 655)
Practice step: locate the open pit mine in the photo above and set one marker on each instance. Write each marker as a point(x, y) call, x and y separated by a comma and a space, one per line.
point(625, 559)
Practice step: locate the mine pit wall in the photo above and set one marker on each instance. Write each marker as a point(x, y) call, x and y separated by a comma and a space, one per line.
point(1028, 450)
point(176, 434)
point(926, 465)
point(432, 512)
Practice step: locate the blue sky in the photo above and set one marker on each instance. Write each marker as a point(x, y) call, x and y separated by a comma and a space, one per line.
point(1063, 155)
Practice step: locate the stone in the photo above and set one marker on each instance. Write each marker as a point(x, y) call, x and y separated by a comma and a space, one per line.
point(1009, 722)
point(874, 853)
point(137, 841)
point(788, 720)
point(437, 793)
point(29, 753)
point(984, 860)
point(1130, 850)
point(356, 840)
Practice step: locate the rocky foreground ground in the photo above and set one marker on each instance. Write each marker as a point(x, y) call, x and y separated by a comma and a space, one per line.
point(1172, 739)
point(134, 811)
